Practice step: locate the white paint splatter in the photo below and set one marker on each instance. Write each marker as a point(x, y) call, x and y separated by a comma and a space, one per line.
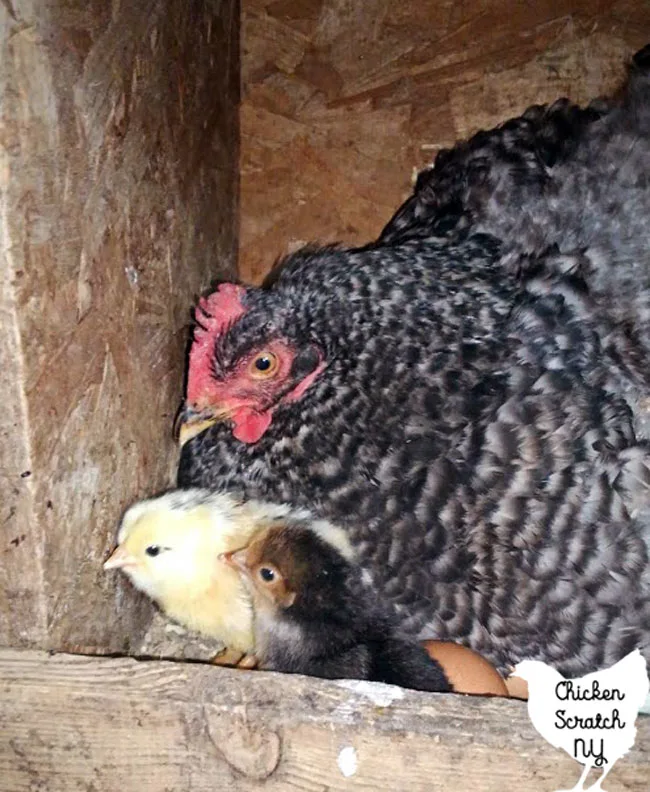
point(175, 629)
point(348, 761)
point(380, 694)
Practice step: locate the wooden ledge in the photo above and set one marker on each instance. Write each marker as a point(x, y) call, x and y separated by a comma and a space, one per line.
point(97, 724)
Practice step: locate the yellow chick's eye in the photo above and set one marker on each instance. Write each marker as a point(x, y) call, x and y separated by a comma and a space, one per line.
point(264, 365)
point(154, 550)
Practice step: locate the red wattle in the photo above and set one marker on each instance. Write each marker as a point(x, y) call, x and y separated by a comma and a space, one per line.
point(250, 425)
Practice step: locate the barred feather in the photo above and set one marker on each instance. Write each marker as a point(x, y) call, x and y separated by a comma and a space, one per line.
point(479, 429)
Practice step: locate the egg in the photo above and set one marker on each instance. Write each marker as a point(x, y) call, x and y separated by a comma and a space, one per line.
point(466, 670)
point(517, 687)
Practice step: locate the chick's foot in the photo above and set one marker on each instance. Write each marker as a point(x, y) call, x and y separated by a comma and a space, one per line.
point(234, 658)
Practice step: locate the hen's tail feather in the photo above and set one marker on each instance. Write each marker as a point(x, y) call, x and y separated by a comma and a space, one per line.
point(518, 181)
point(565, 179)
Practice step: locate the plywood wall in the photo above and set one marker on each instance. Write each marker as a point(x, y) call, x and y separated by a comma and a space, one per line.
point(343, 99)
point(118, 203)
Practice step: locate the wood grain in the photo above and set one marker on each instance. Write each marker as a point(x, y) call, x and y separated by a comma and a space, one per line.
point(342, 100)
point(118, 204)
point(121, 725)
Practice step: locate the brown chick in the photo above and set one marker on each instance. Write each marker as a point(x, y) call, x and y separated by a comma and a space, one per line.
point(315, 615)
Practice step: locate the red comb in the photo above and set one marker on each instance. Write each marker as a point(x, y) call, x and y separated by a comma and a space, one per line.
point(214, 314)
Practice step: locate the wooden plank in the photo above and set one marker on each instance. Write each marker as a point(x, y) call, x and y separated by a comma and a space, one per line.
point(118, 205)
point(121, 725)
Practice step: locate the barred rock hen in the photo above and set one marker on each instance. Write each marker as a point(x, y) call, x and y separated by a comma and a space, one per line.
point(465, 395)
point(577, 179)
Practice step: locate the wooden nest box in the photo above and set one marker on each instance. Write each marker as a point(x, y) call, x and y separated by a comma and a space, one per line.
point(127, 146)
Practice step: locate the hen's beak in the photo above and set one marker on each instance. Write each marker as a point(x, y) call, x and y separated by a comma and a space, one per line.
point(120, 559)
point(190, 422)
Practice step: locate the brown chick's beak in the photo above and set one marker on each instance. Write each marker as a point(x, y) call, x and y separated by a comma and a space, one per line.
point(235, 559)
point(119, 559)
point(191, 423)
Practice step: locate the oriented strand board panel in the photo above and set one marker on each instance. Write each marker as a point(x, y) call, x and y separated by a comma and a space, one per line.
point(80, 723)
point(343, 99)
point(118, 204)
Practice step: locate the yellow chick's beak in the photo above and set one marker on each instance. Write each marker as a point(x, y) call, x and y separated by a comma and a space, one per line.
point(190, 422)
point(120, 559)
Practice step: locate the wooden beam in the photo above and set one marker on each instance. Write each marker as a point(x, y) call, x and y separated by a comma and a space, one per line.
point(118, 206)
point(103, 725)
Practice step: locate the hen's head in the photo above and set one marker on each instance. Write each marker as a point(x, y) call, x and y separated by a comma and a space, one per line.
point(245, 363)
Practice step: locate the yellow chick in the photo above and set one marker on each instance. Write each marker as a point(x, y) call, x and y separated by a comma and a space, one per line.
point(169, 547)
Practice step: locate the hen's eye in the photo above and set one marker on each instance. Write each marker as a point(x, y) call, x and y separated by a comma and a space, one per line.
point(264, 365)
point(153, 550)
point(267, 574)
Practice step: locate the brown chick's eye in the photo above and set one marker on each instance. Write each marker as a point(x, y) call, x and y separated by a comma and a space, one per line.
point(264, 365)
point(267, 574)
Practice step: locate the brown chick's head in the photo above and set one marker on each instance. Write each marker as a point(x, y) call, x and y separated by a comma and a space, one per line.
point(263, 579)
point(291, 565)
